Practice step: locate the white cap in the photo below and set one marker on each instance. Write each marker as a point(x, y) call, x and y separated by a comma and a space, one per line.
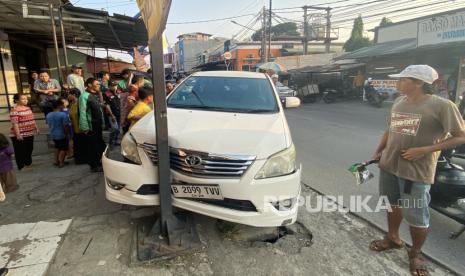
point(275, 76)
point(421, 72)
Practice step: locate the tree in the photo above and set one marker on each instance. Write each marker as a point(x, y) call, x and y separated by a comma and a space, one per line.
point(385, 22)
point(357, 40)
point(288, 28)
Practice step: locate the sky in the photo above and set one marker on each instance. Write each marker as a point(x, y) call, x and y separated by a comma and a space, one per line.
point(184, 11)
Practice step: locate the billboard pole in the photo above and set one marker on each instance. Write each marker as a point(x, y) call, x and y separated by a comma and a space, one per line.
point(171, 233)
point(161, 127)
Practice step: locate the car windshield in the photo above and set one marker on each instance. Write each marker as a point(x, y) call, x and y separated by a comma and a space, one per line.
point(230, 94)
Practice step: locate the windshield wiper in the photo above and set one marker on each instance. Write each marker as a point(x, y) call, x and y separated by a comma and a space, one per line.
point(239, 110)
point(205, 107)
point(258, 111)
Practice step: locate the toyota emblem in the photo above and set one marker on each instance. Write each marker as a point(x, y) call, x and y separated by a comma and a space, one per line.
point(193, 160)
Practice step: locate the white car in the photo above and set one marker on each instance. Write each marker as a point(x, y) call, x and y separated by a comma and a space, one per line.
point(232, 156)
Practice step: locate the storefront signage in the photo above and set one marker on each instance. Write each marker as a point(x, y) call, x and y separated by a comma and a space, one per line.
point(385, 84)
point(442, 29)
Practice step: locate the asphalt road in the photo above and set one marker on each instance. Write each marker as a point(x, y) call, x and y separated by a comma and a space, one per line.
point(331, 137)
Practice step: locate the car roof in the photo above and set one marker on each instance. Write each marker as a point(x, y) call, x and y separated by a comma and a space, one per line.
point(231, 74)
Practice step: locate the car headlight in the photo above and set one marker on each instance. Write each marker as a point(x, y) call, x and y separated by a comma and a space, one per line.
point(279, 164)
point(129, 148)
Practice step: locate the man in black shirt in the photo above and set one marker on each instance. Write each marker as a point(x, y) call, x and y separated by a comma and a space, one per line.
point(113, 104)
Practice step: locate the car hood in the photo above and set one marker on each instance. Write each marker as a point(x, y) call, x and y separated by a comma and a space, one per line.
point(260, 135)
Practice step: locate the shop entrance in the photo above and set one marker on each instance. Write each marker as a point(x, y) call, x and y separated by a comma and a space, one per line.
point(25, 61)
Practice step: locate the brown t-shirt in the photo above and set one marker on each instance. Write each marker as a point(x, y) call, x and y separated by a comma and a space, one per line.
point(416, 125)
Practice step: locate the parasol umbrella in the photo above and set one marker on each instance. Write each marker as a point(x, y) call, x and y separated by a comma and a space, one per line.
point(276, 67)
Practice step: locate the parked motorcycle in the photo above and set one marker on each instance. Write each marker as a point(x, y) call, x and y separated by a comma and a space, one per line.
point(373, 96)
point(448, 191)
point(330, 95)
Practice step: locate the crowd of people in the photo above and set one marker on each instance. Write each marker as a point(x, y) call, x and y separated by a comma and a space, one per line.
point(76, 114)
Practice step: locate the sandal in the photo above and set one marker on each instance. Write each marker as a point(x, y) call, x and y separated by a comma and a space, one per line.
point(417, 264)
point(385, 244)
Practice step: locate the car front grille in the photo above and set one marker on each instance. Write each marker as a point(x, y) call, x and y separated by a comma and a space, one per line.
point(202, 164)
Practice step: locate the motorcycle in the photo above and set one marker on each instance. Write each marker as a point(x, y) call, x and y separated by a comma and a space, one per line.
point(343, 92)
point(375, 97)
point(330, 95)
point(448, 191)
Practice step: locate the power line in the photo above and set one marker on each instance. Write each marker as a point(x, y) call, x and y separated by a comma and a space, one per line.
point(384, 13)
point(357, 5)
point(314, 5)
point(349, 12)
point(238, 13)
point(409, 14)
point(210, 20)
point(379, 8)
point(245, 30)
point(386, 10)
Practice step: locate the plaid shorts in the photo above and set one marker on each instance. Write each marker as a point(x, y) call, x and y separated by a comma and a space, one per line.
point(414, 204)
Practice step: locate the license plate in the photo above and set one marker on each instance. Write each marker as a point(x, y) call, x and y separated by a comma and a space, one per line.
point(212, 191)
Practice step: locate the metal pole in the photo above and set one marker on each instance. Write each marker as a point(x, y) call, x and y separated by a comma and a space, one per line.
point(264, 56)
point(63, 39)
point(328, 30)
point(305, 31)
point(55, 42)
point(95, 60)
point(108, 62)
point(2, 66)
point(459, 80)
point(269, 34)
point(161, 126)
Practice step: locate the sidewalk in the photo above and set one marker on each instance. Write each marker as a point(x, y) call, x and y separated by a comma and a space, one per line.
point(98, 240)
point(28, 248)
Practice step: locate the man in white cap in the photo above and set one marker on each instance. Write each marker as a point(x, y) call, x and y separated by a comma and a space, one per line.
point(75, 79)
point(408, 151)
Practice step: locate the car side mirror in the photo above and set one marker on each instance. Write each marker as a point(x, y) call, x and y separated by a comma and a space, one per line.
point(292, 102)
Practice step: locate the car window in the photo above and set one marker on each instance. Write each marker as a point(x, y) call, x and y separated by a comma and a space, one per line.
point(225, 94)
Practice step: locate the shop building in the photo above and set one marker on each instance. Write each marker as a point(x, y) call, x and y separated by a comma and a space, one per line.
point(437, 40)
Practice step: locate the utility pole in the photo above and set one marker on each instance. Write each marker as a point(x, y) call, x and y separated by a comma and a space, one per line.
point(264, 56)
point(269, 34)
point(305, 31)
point(63, 38)
point(328, 30)
point(55, 42)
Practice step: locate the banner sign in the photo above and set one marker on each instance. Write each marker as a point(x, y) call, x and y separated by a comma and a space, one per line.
point(386, 85)
point(154, 13)
point(441, 29)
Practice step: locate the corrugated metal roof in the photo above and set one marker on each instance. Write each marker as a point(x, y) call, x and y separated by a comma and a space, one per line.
point(116, 32)
point(382, 49)
point(120, 31)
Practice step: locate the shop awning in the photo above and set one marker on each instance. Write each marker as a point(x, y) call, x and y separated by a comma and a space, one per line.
point(382, 49)
point(116, 32)
point(328, 68)
point(31, 21)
